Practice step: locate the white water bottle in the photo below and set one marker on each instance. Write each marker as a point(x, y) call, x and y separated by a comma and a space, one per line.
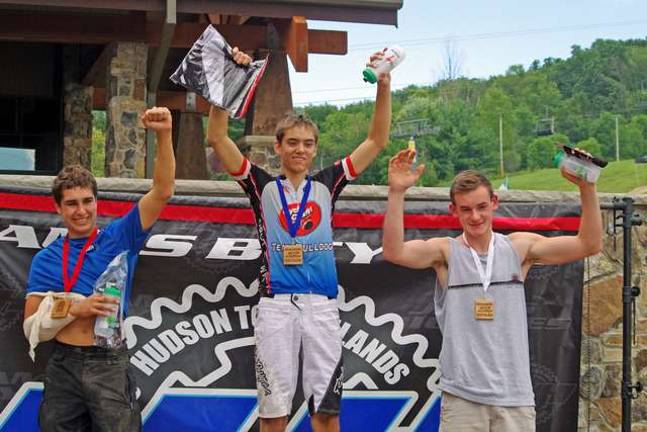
point(393, 56)
point(580, 167)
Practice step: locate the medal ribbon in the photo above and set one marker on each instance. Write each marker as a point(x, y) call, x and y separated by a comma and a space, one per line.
point(293, 227)
point(67, 282)
point(486, 277)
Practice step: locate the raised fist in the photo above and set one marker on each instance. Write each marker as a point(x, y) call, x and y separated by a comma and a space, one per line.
point(240, 57)
point(157, 119)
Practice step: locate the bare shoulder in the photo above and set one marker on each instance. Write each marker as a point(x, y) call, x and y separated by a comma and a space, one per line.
point(523, 237)
point(439, 242)
point(522, 241)
point(439, 246)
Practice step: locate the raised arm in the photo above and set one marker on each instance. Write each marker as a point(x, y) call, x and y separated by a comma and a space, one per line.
point(227, 151)
point(378, 133)
point(564, 249)
point(151, 204)
point(418, 254)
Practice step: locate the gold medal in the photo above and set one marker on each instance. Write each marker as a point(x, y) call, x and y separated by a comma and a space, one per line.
point(292, 254)
point(60, 308)
point(484, 309)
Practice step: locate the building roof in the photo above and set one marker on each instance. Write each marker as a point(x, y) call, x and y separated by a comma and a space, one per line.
point(363, 11)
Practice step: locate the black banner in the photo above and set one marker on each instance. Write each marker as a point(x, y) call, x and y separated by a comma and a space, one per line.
point(190, 329)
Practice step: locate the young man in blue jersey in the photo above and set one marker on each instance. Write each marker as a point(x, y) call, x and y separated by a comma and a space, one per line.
point(479, 296)
point(298, 280)
point(88, 388)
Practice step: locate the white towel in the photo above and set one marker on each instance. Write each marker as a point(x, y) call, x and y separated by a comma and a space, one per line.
point(40, 326)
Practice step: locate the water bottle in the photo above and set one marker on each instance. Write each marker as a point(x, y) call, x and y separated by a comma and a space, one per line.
point(579, 166)
point(411, 145)
point(393, 56)
point(107, 326)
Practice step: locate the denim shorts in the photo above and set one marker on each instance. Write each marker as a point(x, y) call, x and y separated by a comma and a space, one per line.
point(89, 389)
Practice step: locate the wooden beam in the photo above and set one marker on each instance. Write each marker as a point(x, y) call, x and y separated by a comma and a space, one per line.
point(371, 11)
point(295, 41)
point(327, 42)
point(170, 99)
point(237, 19)
point(87, 29)
point(97, 72)
point(103, 29)
point(248, 37)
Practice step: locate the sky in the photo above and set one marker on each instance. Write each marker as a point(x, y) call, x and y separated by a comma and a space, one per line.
point(486, 36)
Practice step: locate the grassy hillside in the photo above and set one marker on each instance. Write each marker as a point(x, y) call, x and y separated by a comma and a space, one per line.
point(622, 176)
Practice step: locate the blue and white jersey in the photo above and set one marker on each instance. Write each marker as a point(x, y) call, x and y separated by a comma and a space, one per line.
point(317, 274)
point(122, 234)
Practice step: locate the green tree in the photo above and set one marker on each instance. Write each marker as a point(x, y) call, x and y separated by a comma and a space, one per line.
point(98, 153)
point(632, 142)
point(603, 129)
point(591, 145)
point(541, 151)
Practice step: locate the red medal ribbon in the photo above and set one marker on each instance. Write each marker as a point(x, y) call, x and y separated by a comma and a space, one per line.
point(67, 282)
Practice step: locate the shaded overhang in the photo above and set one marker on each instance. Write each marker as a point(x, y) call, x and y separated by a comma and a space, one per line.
point(360, 11)
point(92, 25)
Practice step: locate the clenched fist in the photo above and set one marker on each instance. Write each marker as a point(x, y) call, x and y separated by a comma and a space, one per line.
point(240, 57)
point(157, 119)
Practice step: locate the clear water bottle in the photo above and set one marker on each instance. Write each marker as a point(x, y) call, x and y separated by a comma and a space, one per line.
point(108, 326)
point(393, 56)
point(578, 164)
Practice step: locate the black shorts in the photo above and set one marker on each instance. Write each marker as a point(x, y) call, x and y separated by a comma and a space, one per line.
point(89, 389)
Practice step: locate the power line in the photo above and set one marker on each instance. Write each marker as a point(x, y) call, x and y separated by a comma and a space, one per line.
point(358, 99)
point(493, 35)
point(393, 86)
point(476, 36)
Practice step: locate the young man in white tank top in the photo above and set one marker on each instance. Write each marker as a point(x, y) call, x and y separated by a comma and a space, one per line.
point(479, 298)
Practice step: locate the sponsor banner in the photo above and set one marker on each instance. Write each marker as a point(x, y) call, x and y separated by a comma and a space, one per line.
point(190, 329)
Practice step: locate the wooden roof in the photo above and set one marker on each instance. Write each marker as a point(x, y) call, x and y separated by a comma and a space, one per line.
point(363, 11)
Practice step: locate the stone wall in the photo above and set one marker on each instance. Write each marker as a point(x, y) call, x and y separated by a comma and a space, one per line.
point(77, 111)
point(77, 134)
point(126, 93)
point(601, 359)
point(259, 149)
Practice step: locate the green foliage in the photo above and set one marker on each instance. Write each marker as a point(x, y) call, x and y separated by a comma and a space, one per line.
point(622, 176)
point(542, 150)
point(591, 145)
point(580, 96)
point(236, 129)
point(98, 152)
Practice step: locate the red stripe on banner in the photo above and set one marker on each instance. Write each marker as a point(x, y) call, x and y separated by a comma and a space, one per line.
point(422, 221)
point(13, 201)
point(244, 216)
point(119, 208)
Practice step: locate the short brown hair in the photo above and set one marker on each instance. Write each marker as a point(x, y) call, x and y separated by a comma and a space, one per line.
point(293, 119)
point(468, 181)
point(70, 177)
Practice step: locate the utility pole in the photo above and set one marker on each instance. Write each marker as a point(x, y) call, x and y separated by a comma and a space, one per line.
point(501, 145)
point(617, 140)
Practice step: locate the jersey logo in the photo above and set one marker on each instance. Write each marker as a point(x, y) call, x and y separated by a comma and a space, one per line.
point(309, 221)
